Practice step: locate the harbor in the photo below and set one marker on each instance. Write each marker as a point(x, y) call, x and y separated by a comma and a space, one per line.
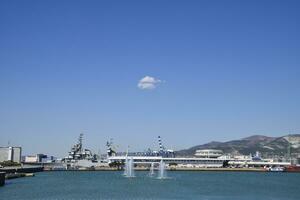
point(150, 100)
point(204, 160)
point(82, 159)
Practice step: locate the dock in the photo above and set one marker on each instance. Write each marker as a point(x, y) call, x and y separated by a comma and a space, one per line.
point(18, 175)
point(22, 169)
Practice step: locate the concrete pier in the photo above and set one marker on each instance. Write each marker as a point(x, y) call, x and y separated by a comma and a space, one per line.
point(2, 178)
point(18, 175)
point(23, 169)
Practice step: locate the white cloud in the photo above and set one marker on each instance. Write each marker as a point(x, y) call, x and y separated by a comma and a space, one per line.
point(148, 83)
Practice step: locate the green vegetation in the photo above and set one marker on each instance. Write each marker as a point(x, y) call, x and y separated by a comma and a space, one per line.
point(116, 164)
point(9, 164)
point(173, 164)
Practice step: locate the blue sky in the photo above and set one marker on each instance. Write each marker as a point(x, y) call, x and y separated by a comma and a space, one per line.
point(226, 70)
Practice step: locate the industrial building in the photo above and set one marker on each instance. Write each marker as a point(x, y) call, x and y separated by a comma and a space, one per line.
point(38, 158)
point(12, 154)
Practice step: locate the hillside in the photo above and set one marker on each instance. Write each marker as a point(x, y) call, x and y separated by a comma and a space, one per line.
point(264, 144)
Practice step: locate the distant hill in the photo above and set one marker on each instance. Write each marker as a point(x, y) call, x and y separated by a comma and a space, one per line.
point(264, 144)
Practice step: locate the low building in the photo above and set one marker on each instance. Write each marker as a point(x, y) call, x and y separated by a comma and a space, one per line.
point(12, 154)
point(208, 153)
point(180, 161)
point(48, 159)
point(31, 159)
point(35, 159)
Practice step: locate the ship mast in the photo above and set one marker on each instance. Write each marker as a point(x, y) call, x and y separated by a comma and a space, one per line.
point(80, 141)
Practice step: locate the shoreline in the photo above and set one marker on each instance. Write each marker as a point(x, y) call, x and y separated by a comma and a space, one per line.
point(110, 169)
point(174, 170)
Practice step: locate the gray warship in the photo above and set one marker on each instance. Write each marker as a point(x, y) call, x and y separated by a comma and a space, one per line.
point(81, 158)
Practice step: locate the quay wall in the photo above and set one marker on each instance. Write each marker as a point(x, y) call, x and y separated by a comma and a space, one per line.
point(174, 169)
point(10, 170)
point(2, 178)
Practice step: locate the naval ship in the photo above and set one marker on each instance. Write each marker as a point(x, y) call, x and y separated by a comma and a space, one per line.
point(81, 158)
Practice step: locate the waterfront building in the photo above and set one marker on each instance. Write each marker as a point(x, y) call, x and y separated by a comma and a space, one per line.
point(208, 153)
point(38, 158)
point(195, 162)
point(12, 154)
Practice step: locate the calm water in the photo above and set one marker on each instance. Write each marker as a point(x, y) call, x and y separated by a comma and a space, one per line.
point(182, 185)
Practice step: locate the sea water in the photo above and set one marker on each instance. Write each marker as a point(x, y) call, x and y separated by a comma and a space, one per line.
point(79, 185)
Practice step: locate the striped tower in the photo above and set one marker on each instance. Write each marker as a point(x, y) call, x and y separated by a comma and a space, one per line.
point(160, 144)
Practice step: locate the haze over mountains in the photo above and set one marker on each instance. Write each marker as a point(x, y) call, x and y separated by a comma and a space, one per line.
point(268, 146)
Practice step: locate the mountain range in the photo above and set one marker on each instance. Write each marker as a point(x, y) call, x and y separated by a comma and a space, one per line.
point(267, 146)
